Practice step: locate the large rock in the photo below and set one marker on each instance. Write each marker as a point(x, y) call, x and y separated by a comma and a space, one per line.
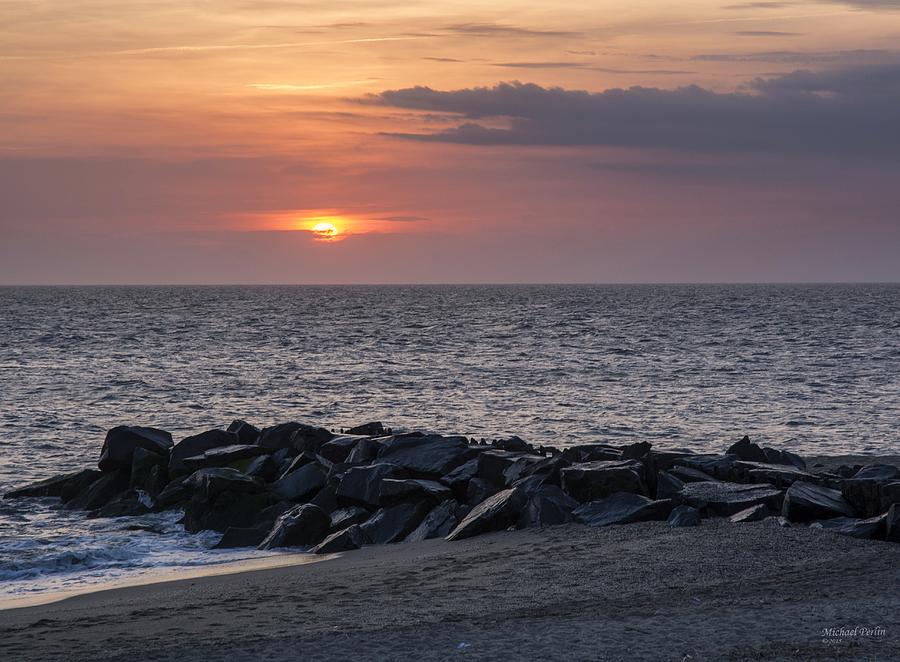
point(344, 517)
point(852, 526)
point(197, 445)
point(338, 449)
point(804, 502)
point(395, 490)
point(668, 485)
point(548, 505)
point(438, 523)
point(689, 475)
point(426, 455)
point(226, 509)
point(747, 451)
point(246, 433)
point(592, 453)
point(724, 499)
point(780, 475)
point(684, 516)
point(394, 523)
point(294, 435)
point(865, 489)
point(892, 524)
point(223, 456)
point(549, 468)
point(262, 467)
point(301, 484)
point(241, 537)
point(774, 456)
point(345, 540)
point(362, 485)
point(717, 466)
point(458, 479)
point(120, 442)
point(600, 479)
point(364, 452)
point(148, 472)
point(125, 504)
point(98, 493)
point(302, 526)
point(208, 483)
point(622, 508)
point(478, 490)
point(514, 444)
point(56, 486)
point(496, 513)
point(173, 494)
point(372, 429)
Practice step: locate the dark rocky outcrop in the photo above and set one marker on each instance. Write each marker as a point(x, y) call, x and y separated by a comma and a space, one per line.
point(867, 488)
point(479, 490)
point(120, 442)
point(373, 429)
point(125, 504)
point(591, 453)
point(804, 502)
point(64, 486)
point(425, 455)
point(513, 444)
point(438, 523)
point(197, 445)
point(149, 473)
point(338, 449)
point(262, 467)
point(779, 475)
point(246, 433)
point(636, 451)
point(892, 524)
point(344, 517)
point(302, 526)
point(622, 508)
point(224, 456)
point(364, 452)
point(852, 526)
point(600, 479)
point(548, 505)
point(755, 513)
point(667, 485)
point(100, 492)
point(298, 485)
point(458, 479)
point(226, 509)
point(174, 493)
point(684, 516)
point(208, 483)
point(774, 456)
point(241, 537)
point(362, 485)
point(724, 499)
point(689, 475)
point(720, 467)
point(747, 451)
point(394, 523)
point(496, 513)
point(345, 540)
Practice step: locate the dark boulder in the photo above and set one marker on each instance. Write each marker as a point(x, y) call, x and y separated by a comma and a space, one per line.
point(852, 526)
point(879, 472)
point(513, 444)
point(591, 453)
point(100, 492)
point(338, 449)
point(362, 485)
point(310, 438)
point(120, 442)
point(725, 499)
point(197, 445)
point(173, 494)
point(804, 502)
point(688, 475)
point(246, 433)
point(373, 429)
point(345, 540)
point(394, 523)
point(326, 499)
point(148, 472)
point(241, 537)
point(716, 466)
point(125, 504)
point(636, 451)
point(301, 484)
point(549, 468)
point(774, 456)
point(780, 475)
point(297, 436)
point(600, 479)
point(494, 514)
point(865, 489)
point(478, 490)
point(622, 508)
point(889, 494)
point(344, 517)
point(548, 505)
point(438, 523)
point(662, 460)
point(426, 455)
point(395, 490)
point(302, 526)
point(458, 479)
point(207, 483)
point(667, 485)
point(262, 467)
point(684, 516)
point(56, 486)
point(747, 451)
point(223, 456)
point(755, 513)
point(365, 451)
point(226, 509)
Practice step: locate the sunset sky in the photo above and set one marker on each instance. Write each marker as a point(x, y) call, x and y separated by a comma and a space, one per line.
point(587, 141)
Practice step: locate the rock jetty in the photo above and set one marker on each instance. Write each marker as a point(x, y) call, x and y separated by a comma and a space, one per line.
point(302, 486)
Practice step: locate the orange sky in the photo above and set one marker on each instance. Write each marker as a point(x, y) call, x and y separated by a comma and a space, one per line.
point(121, 120)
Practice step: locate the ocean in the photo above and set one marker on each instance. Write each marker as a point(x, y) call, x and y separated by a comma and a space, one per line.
point(810, 368)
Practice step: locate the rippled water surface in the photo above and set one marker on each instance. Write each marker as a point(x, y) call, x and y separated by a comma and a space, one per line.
point(810, 368)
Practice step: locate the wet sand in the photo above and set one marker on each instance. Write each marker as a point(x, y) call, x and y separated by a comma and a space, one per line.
point(719, 591)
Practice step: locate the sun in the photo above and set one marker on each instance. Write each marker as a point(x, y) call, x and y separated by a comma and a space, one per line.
point(324, 230)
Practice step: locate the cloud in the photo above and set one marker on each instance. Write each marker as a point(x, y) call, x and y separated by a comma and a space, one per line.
point(586, 66)
point(844, 58)
point(848, 112)
point(504, 30)
point(766, 33)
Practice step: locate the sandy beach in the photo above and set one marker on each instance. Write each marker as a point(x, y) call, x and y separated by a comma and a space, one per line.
point(720, 591)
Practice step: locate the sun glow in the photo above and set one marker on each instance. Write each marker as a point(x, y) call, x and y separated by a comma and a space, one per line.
point(324, 230)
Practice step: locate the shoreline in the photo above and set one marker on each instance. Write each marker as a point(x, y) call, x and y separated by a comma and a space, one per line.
point(635, 591)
